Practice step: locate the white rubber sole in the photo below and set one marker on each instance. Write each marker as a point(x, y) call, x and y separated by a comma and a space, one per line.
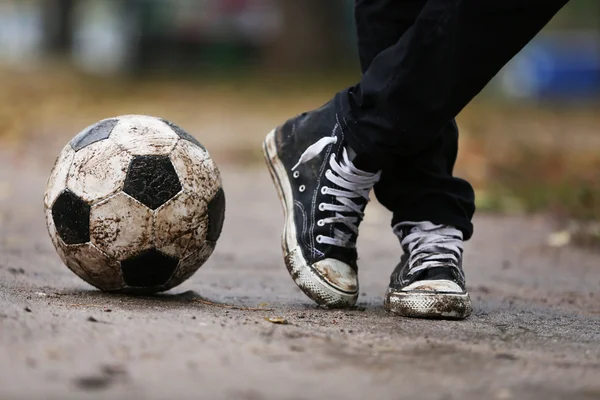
point(427, 304)
point(307, 279)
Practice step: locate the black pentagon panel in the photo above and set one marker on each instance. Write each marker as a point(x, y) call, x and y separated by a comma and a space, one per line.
point(148, 269)
point(183, 134)
point(152, 180)
point(71, 217)
point(216, 216)
point(95, 133)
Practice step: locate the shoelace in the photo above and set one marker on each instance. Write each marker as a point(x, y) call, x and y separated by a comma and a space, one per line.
point(356, 183)
point(430, 245)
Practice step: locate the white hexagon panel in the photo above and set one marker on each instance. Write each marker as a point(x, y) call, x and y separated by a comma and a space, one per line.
point(176, 222)
point(199, 237)
point(197, 171)
point(121, 226)
point(94, 267)
point(98, 171)
point(142, 135)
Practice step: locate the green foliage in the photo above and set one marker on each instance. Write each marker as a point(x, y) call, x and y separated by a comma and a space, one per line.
point(553, 180)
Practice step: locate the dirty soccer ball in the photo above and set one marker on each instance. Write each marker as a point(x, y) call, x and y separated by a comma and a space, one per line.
point(134, 204)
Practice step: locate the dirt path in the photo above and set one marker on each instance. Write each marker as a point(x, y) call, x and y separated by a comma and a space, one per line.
point(535, 332)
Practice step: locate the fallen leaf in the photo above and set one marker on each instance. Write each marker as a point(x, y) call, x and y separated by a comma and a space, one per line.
point(559, 239)
point(277, 320)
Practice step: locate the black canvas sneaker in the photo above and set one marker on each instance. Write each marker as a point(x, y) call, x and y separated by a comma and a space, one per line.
point(429, 281)
point(323, 196)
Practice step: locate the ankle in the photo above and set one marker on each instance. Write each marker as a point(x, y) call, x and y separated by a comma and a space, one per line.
point(402, 229)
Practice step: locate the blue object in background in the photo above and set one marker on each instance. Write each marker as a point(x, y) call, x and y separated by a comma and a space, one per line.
point(558, 66)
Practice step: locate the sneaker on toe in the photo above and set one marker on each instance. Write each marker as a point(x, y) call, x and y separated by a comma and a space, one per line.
point(429, 281)
point(323, 196)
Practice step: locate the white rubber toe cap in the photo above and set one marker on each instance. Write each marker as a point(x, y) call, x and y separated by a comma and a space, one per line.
point(337, 274)
point(440, 285)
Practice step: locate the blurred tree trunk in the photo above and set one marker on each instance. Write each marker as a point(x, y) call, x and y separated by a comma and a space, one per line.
point(58, 25)
point(310, 35)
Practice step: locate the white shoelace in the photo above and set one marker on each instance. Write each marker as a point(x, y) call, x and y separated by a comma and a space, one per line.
point(345, 175)
point(430, 245)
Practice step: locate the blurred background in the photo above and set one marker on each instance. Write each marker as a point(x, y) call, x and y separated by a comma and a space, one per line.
point(230, 70)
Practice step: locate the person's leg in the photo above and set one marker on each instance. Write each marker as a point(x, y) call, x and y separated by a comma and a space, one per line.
point(398, 116)
point(324, 198)
point(324, 162)
point(413, 88)
point(419, 187)
point(380, 24)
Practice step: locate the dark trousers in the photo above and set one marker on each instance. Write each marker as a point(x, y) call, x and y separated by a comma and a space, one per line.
point(423, 61)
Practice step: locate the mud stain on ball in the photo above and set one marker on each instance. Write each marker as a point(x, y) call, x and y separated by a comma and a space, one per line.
point(121, 226)
point(144, 135)
point(93, 266)
point(98, 171)
point(196, 170)
point(179, 217)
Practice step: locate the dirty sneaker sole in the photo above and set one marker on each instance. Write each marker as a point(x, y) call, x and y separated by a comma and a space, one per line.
point(307, 279)
point(423, 304)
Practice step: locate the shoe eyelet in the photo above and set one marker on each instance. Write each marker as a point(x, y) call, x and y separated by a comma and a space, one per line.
point(302, 188)
point(322, 207)
point(324, 190)
point(319, 239)
point(296, 174)
point(321, 222)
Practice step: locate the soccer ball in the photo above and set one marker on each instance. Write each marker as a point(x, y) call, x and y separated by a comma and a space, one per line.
point(134, 204)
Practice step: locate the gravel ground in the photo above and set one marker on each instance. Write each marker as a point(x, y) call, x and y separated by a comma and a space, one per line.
point(534, 334)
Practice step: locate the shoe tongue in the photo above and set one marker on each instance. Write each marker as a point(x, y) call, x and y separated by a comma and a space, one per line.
point(361, 161)
point(437, 273)
point(351, 153)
